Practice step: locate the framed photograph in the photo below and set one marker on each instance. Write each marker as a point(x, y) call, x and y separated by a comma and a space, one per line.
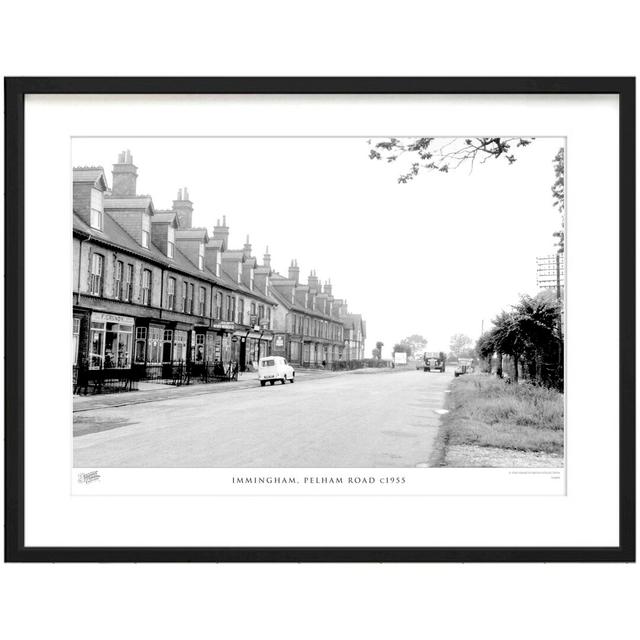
point(320, 319)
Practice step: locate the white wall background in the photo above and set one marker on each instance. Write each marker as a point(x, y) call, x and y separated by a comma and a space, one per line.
point(332, 38)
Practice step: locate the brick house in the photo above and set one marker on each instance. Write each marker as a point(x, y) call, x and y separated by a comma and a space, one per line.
point(308, 325)
point(147, 290)
point(150, 290)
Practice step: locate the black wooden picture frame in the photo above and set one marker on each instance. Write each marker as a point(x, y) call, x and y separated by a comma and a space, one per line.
point(15, 91)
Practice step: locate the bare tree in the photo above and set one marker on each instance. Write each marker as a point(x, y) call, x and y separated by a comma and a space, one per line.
point(443, 154)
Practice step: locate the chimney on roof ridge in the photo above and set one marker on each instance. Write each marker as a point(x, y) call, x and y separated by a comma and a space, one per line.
point(294, 271)
point(266, 260)
point(125, 176)
point(221, 232)
point(184, 209)
point(246, 250)
point(312, 280)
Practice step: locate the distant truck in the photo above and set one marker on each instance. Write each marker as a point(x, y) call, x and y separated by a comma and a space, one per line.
point(434, 361)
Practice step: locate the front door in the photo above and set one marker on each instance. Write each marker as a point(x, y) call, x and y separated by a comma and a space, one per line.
point(243, 354)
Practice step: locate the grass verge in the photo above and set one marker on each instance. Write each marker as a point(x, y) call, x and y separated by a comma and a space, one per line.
point(486, 412)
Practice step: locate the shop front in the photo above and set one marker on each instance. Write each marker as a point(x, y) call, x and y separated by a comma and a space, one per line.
point(295, 351)
point(253, 345)
point(105, 358)
point(152, 346)
point(203, 341)
point(110, 341)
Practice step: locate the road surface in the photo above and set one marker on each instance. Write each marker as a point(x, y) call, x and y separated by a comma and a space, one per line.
point(356, 419)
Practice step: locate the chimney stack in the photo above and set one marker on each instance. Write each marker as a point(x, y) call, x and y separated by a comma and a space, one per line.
point(183, 208)
point(266, 259)
point(221, 232)
point(125, 176)
point(313, 281)
point(327, 287)
point(246, 250)
point(294, 271)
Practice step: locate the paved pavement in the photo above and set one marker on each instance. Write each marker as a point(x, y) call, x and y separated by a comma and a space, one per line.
point(358, 419)
point(152, 392)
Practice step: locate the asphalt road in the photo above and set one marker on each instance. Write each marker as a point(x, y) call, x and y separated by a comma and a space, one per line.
point(358, 419)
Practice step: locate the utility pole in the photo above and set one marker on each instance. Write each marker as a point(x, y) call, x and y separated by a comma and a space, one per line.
point(561, 313)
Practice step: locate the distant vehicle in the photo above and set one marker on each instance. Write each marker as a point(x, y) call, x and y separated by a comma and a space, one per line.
point(465, 365)
point(434, 361)
point(275, 368)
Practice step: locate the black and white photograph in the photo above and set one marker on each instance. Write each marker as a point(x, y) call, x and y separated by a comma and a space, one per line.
point(351, 324)
point(384, 302)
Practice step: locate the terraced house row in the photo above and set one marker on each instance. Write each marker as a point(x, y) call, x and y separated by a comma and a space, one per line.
point(150, 290)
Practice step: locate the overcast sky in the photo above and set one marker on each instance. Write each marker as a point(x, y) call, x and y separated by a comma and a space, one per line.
point(436, 256)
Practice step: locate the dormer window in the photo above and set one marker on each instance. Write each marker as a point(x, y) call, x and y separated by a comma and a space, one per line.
point(171, 240)
point(146, 228)
point(201, 256)
point(97, 209)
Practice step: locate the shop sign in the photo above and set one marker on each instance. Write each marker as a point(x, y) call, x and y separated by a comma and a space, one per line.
point(279, 341)
point(110, 317)
point(224, 325)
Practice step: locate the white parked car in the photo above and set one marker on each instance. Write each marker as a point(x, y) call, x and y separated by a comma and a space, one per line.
point(275, 368)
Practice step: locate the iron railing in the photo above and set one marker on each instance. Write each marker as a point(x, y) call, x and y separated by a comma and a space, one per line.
point(103, 380)
point(178, 373)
